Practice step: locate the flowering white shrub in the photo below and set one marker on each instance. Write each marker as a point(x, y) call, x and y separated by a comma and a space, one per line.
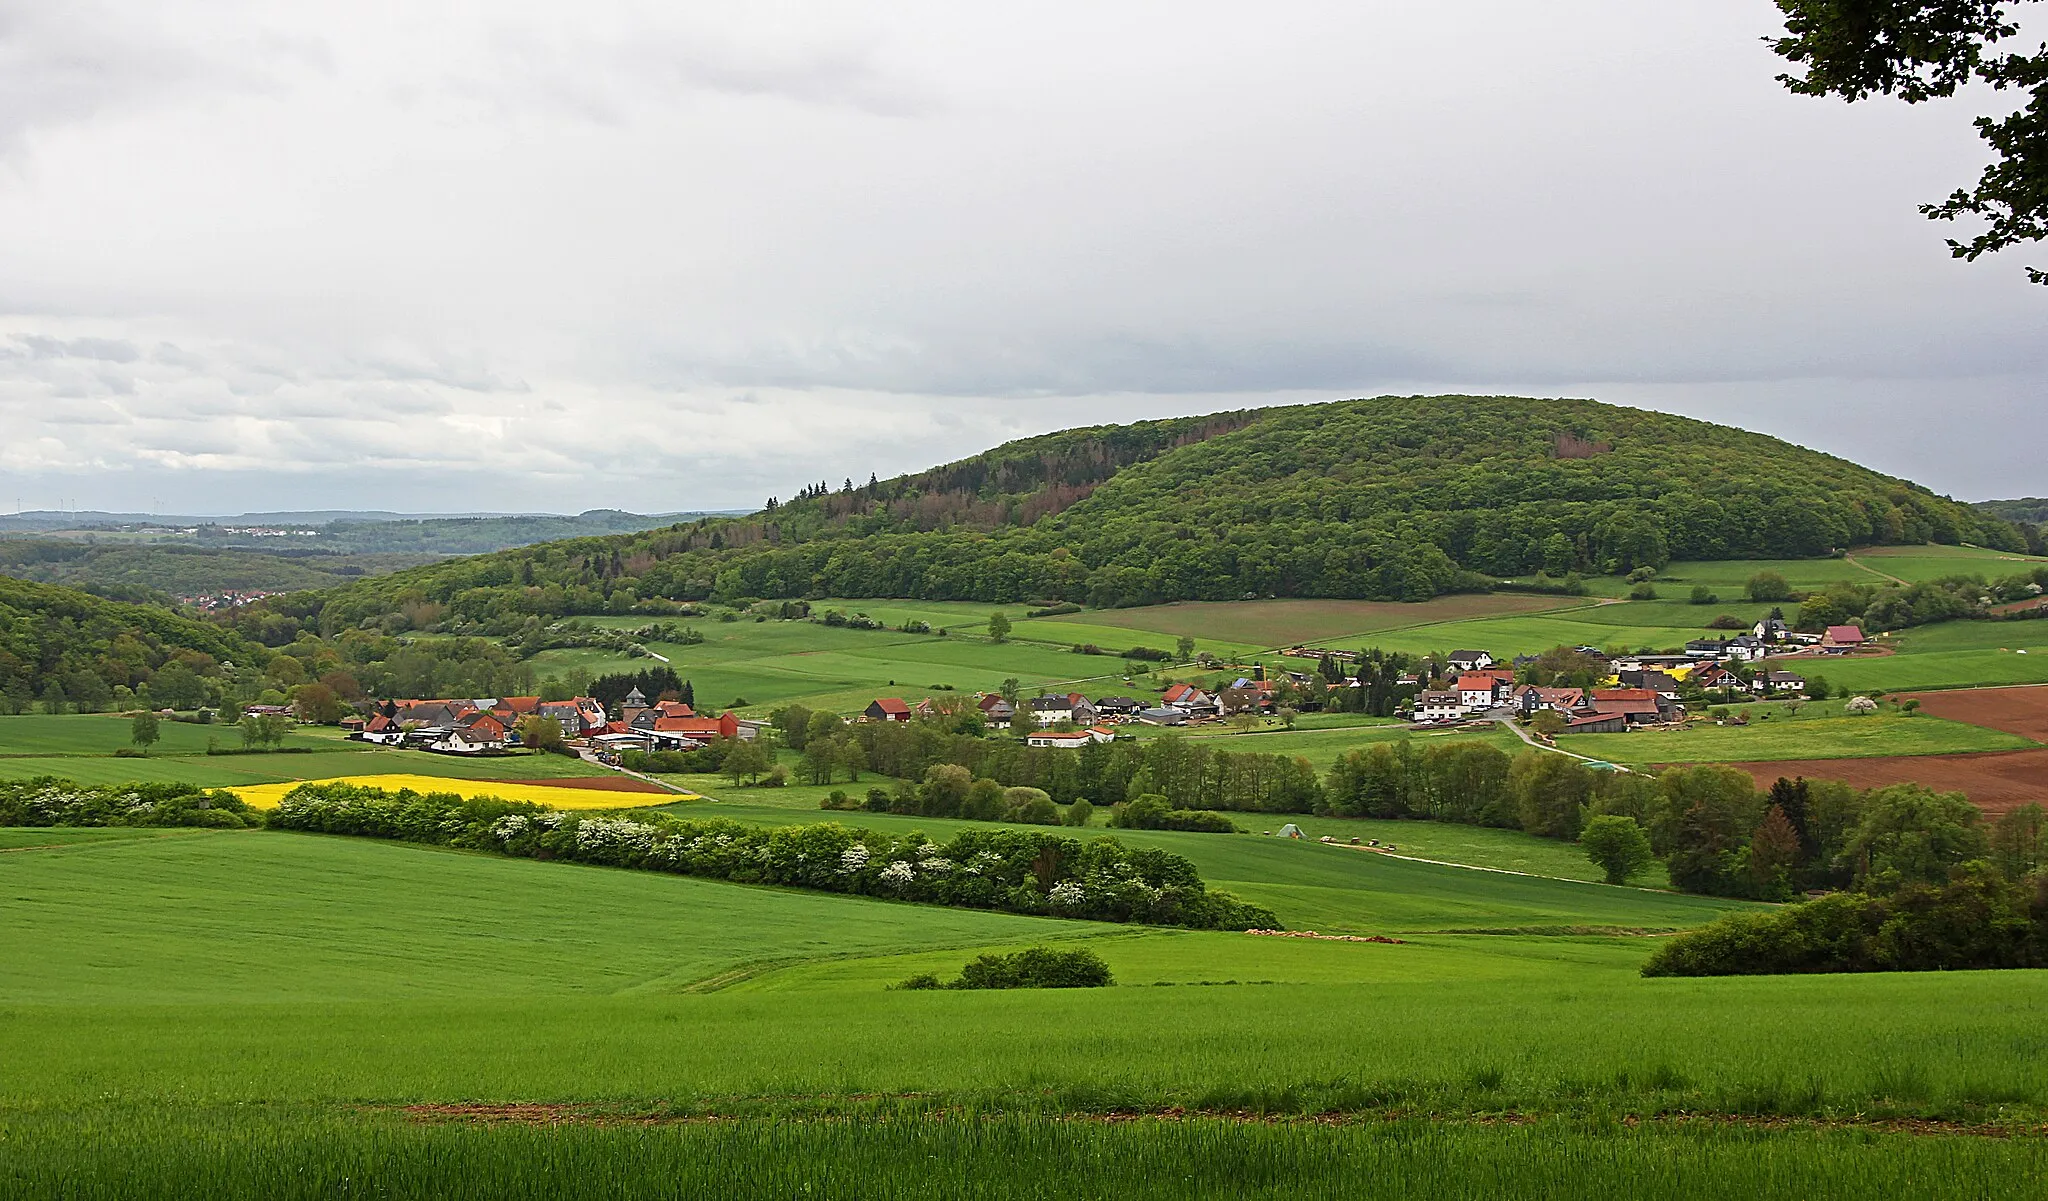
point(854, 858)
point(898, 874)
point(510, 826)
point(1067, 894)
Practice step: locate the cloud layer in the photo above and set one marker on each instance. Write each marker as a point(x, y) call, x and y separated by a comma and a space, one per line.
point(432, 256)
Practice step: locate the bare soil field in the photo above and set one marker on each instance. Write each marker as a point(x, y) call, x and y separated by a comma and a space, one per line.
point(1281, 623)
point(1996, 782)
point(2021, 710)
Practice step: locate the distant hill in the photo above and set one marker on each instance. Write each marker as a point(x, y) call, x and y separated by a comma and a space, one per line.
point(2030, 509)
point(337, 531)
point(162, 571)
point(1396, 498)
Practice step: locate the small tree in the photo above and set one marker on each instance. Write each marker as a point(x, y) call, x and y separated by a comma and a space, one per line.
point(1288, 715)
point(1184, 648)
point(1909, 706)
point(540, 733)
point(1817, 688)
point(998, 628)
point(1703, 595)
point(1548, 722)
point(745, 760)
point(1617, 846)
point(1769, 586)
point(1080, 813)
point(142, 730)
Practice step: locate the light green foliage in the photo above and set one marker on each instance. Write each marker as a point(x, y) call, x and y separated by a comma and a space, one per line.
point(1785, 736)
point(1618, 846)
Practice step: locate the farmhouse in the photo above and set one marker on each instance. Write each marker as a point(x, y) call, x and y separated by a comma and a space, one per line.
point(1840, 640)
point(1446, 705)
point(1117, 706)
point(1635, 706)
point(886, 708)
point(1162, 717)
point(994, 709)
point(1656, 681)
point(1597, 723)
point(1532, 699)
point(1476, 691)
point(1778, 681)
point(1470, 660)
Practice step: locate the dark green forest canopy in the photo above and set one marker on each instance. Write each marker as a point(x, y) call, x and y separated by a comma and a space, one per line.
point(1396, 498)
point(87, 645)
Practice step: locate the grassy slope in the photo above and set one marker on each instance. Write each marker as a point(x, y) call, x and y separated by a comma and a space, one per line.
point(1795, 738)
point(229, 1011)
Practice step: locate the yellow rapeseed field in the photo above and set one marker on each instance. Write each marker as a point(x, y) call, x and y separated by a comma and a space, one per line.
point(266, 796)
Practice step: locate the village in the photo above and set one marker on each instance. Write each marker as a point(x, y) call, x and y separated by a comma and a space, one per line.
point(1609, 694)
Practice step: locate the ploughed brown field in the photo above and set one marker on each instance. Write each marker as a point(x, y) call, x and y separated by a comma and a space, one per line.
point(598, 783)
point(1996, 781)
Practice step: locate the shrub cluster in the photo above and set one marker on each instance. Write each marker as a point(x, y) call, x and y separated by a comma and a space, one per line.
point(1013, 870)
point(1151, 812)
point(1976, 920)
point(1037, 967)
point(48, 801)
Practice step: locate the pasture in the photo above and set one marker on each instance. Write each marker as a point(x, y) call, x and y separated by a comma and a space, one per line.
point(261, 1014)
point(1284, 623)
point(1788, 737)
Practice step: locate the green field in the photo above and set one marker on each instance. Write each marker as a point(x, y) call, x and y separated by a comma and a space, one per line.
point(1916, 564)
point(1783, 737)
point(213, 1013)
point(1284, 623)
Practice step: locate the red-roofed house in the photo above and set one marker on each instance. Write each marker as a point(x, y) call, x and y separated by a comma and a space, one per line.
point(886, 708)
point(703, 729)
point(1476, 690)
point(1841, 639)
point(1636, 706)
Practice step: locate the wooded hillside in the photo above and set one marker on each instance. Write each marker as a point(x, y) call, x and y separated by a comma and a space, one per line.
point(1386, 499)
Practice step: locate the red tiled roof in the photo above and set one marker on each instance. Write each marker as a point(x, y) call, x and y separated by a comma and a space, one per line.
point(1475, 682)
point(1624, 700)
point(1844, 634)
point(890, 704)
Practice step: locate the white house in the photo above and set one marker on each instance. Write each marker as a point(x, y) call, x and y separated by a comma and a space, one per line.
point(1470, 660)
point(1448, 705)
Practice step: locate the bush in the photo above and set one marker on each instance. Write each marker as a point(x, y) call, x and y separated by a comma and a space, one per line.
point(1618, 846)
point(1148, 654)
point(1151, 812)
point(1643, 591)
point(1703, 595)
point(130, 752)
point(1769, 586)
point(1037, 967)
point(837, 799)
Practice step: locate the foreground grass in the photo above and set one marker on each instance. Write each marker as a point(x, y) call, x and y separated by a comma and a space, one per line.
point(322, 1154)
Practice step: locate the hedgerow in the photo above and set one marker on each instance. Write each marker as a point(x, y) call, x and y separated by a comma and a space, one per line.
point(1011, 870)
point(48, 801)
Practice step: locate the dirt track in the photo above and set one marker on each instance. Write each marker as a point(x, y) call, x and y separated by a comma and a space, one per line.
point(1997, 781)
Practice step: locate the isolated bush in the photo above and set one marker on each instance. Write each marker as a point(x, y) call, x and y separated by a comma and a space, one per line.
point(1703, 595)
point(1617, 846)
point(1643, 591)
point(1037, 967)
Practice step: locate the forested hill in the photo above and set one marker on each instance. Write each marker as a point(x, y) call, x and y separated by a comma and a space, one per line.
point(64, 647)
point(1397, 498)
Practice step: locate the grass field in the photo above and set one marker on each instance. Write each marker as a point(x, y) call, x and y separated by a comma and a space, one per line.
point(247, 1014)
point(1802, 737)
point(1283, 623)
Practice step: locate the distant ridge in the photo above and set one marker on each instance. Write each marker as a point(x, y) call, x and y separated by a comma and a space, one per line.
point(1393, 498)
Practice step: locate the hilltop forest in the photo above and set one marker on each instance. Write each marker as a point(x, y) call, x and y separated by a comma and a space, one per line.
point(1385, 499)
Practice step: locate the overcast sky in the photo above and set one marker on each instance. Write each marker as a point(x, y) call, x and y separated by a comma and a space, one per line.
point(423, 255)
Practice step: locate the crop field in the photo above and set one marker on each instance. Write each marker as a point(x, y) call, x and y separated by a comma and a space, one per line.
point(1283, 623)
point(1995, 782)
point(604, 792)
point(257, 1014)
point(1917, 564)
point(43, 734)
point(1784, 737)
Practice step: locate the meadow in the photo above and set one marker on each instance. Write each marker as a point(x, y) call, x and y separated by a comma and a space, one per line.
point(1794, 737)
point(261, 1014)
